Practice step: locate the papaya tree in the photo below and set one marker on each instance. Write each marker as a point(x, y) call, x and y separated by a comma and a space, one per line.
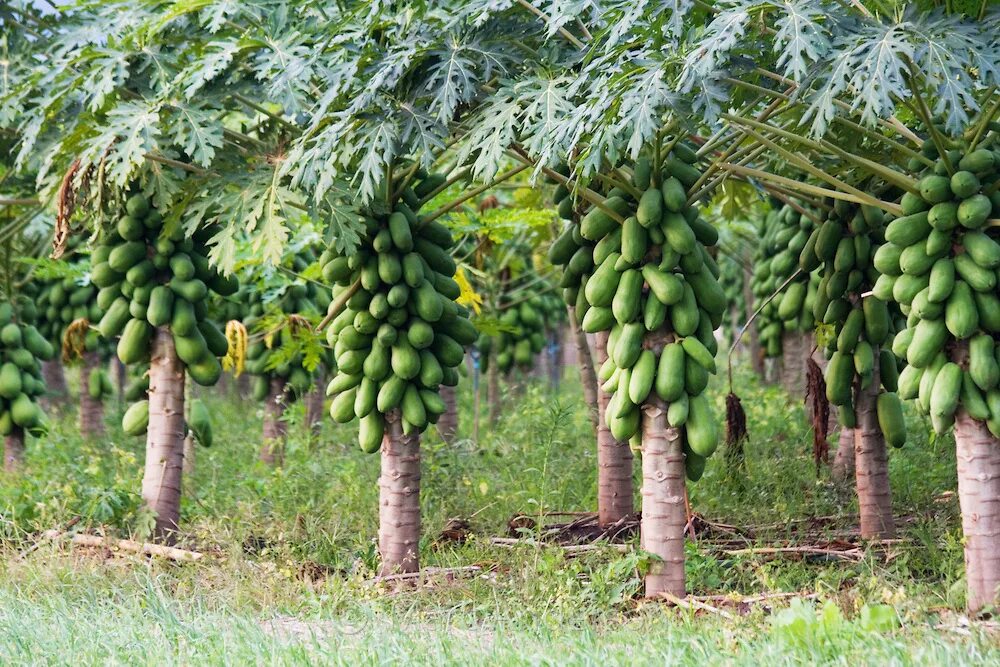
point(22, 351)
point(285, 355)
point(896, 104)
point(67, 304)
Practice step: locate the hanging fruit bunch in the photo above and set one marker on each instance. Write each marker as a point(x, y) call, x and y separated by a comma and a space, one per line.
point(401, 334)
point(849, 250)
point(526, 326)
point(150, 277)
point(22, 349)
point(655, 288)
point(942, 265)
point(282, 321)
point(63, 300)
point(784, 234)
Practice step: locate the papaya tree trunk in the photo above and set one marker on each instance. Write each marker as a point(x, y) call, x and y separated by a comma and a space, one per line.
point(663, 488)
point(614, 459)
point(54, 377)
point(871, 465)
point(447, 424)
point(121, 378)
point(275, 429)
point(163, 473)
point(555, 359)
point(493, 391)
point(399, 499)
point(756, 353)
point(793, 362)
point(314, 403)
point(843, 459)
point(13, 450)
point(243, 387)
point(978, 455)
point(91, 409)
point(586, 362)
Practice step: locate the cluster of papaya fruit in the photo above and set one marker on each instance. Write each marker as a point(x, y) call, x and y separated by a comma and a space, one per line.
point(525, 332)
point(149, 277)
point(61, 300)
point(651, 282)
point(402, 334)
point(843, 248)
point(941, 263)
point(784, 235)
point(291, 308)
point(22, 347)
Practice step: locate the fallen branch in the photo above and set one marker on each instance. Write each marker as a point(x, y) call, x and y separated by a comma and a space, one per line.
point(426, 572)
point(145, 548)
point(693, 603)
point(511, 542)
point(845, 554)
point(764, 597)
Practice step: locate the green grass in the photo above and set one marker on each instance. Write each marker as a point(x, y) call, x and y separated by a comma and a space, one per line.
point(289, 550)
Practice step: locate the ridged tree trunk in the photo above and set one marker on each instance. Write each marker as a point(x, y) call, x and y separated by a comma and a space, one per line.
point(614, 459)
point(871, 465)
point(588, 377)
point(555, 359)
point(399, 499)
point(314, 403)
point(756, 353)
point(493, 391)
point(163, 473)
point(978, 455)
point(243, 386)
point(447, 424)
point(121, 378)
point(13, 450)
point(91, 409)
point(793, 362)
point(663, 515)
point(275, 429)
point(843, 459)
point(55, 384)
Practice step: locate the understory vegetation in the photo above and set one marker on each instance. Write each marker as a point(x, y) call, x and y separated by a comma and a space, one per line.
point(290, 551)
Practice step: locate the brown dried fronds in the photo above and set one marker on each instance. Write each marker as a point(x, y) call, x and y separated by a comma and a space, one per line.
point(736, 431)
point(819, 407)
point(74, 341)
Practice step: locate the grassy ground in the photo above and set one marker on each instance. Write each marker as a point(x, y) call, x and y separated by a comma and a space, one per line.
point(289, 551)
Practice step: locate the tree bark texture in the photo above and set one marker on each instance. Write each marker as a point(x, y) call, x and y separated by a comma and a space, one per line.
point(794, 350)
point(493, 391)
point(556, 358)
point(871, 465)
point(275, 429)
point(399, 499)
point(13, 450)
point(91, 409)
point(314, 403)
point(586, 362)
point(164, 468)
point(447, 424)
point(978, 455)
point(55, 384)
point(843, 459)
point(614, 459)
point(663, 515)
